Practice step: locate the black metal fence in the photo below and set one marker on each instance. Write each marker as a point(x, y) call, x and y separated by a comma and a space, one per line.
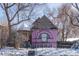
point(64, 44)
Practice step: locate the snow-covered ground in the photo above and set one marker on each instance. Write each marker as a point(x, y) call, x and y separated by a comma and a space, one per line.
point(72, 39)
point(10, 51)
point(57, 52)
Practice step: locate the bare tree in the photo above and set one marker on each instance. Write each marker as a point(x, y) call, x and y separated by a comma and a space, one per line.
point(61, 20)
point(74, 16)
point(64, 20)
point(19, 8)
point(71, 20)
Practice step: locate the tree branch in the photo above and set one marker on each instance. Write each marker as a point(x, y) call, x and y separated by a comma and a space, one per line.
point(10, 5)
point(76, 6)
point(71, 20)
point(1, 6)
point(6, 12)
point(18, 11)
point(19, 22)
point(77, 18)
point(31, 12)
point(27, 17)
point(73, 5)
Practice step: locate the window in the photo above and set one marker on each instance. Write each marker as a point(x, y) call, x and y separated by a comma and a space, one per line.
point(44, 37)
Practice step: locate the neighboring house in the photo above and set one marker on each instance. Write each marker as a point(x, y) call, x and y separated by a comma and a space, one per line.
point(24, 32)
point(3, 34)
point(41, 33)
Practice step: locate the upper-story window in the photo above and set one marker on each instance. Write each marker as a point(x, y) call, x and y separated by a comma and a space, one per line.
point(44, 37)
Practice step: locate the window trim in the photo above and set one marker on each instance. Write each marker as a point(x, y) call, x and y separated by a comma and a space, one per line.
point(48, 37)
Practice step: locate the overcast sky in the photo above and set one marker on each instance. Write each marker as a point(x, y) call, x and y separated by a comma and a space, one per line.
point(49, 5)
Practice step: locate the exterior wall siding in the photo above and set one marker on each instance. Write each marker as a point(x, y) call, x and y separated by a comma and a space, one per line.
point(52, 42)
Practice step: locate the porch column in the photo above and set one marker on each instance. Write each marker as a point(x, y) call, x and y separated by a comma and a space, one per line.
point(27, 36)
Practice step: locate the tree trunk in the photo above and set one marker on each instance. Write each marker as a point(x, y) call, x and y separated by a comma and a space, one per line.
point(9, 37)
point(62, 34)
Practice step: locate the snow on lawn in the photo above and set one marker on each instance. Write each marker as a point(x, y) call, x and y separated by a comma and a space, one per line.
point(10, 51)
point(72, 39)
point(57, 52)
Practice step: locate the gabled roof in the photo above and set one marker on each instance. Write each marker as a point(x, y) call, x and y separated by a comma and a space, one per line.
point(43, 23)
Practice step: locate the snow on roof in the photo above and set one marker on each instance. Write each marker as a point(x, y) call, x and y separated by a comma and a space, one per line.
point(25, 25)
